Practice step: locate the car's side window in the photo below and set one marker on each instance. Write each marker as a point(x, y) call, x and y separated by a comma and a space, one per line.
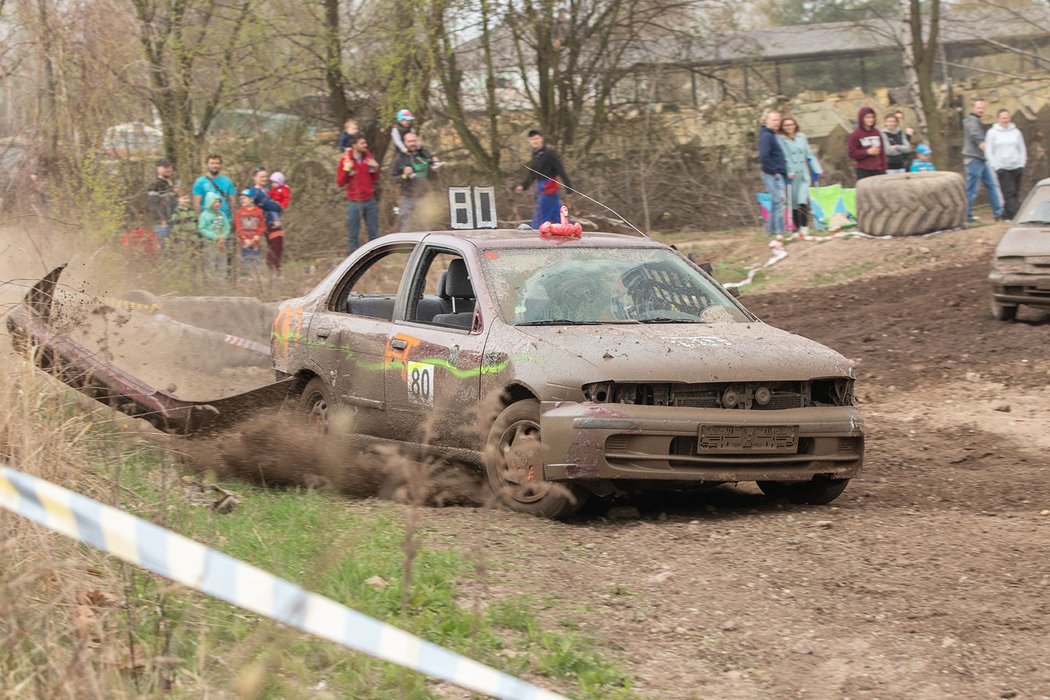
point(443, 292)
point(372, 288)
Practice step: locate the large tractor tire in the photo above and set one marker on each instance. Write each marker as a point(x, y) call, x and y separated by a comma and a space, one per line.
point(910, 204)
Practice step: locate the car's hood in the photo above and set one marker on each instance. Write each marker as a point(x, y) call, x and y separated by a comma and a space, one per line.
point(692, 352)
point(1024, 241)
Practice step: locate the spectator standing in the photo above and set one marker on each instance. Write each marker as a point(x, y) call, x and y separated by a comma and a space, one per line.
point(214, 181)
point(250, 224)
point(802, 165)
point(546, 170)
point(161, 200)
point(402, 126)
point(214, 227)
point(864, 146)
point(413, 172)
point(922, 163)
point(910, 133)
point(349, 129)
point(357, 173)
point(272, 213)
point(1007, 156)
point(774, 171)
point(896, 144)
point(977, 169)
point(184, 235)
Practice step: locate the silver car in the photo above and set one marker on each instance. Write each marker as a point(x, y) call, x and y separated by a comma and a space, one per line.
point(1021, 267)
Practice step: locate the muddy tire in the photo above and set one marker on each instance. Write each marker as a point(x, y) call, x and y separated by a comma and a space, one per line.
point(815, 493)
point(514, 466)
point(910, 204)
point(1003, 312)
point(315, 402)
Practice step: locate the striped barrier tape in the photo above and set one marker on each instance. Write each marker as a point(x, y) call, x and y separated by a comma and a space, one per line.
point(204, 569)
point(154, 310)
point(780, 251)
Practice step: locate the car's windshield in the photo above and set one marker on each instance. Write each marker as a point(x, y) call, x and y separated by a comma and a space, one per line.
point(1036, 208)
point(568, 286)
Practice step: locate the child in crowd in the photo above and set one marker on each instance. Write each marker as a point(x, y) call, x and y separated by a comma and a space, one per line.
point(402, 126)
point(349, 129)
point(184, 223)
point(214, 228)
point(922, 163)
point(281, 193)
point(250, 223)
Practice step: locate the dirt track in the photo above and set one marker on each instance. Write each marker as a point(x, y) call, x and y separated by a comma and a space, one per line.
point(928, 578)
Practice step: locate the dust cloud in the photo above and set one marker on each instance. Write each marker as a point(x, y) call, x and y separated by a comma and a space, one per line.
point(288, 449)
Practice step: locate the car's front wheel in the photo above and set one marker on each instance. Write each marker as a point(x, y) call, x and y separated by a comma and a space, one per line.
point(816, 492)
point(315, 401)
point(514, 465)
point(1003, 312)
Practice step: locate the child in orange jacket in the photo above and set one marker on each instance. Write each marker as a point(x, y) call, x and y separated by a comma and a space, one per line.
point(250, 223)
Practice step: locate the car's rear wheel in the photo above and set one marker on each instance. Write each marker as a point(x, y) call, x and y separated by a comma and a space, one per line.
point(816, 492)
point(1003, 312)
point(315, 401)
point(514, 465)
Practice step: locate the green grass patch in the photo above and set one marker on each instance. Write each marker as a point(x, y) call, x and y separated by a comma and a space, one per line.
point(332, 546)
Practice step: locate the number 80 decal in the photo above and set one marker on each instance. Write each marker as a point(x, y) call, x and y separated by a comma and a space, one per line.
point(420, 383)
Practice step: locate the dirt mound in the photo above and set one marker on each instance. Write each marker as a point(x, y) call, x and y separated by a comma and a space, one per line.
point(287, 450)
point(919, 328)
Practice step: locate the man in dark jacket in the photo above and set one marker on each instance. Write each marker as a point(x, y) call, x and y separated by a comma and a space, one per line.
point(977, 170)
point(162, 200)
point(549, 175)
point(864, 145)
point(413, 171)
point(774, 171)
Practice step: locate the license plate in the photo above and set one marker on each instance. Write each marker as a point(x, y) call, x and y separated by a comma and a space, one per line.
point(748, 438)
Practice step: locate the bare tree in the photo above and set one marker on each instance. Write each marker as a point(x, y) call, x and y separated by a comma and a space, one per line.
point(920, 60)
point(191, 48)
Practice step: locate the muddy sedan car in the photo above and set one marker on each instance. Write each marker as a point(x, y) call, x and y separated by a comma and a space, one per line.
point(613, 363)
point(1021, 266)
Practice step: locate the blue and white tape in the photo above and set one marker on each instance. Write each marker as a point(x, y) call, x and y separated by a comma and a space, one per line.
point(204, 569)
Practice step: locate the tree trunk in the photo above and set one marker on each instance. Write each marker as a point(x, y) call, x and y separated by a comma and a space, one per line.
point(923, 61)
point(334, 77)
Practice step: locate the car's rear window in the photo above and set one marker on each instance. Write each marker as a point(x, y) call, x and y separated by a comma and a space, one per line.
point(569, 285)
point(1036, 207)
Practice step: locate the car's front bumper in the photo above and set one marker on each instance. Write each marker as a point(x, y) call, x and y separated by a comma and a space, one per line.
point(1020, 288)
point(616, 441)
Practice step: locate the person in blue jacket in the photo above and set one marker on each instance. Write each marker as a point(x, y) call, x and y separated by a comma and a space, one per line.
point(774, 171)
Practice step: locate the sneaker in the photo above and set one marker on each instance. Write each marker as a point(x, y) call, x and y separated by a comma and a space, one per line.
point(973, 219)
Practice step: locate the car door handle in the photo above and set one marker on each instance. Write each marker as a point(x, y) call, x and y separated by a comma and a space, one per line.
point(398, 344)
point(323, 332)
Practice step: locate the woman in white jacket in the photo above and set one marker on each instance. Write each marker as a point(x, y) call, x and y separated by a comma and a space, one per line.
point(1006, 154)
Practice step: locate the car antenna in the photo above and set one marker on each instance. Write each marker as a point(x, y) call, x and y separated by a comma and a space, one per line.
point(570, 189)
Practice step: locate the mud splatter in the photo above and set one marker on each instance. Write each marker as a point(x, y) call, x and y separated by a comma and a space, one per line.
point(287, 450)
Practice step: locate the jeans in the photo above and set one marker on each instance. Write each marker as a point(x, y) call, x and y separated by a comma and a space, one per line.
point(162, 231)
point(977, 172)
point(1010, 186)
point(251, 262)
point(355, 210)
point(215, 260)
point(548, 208)
point(775, 186)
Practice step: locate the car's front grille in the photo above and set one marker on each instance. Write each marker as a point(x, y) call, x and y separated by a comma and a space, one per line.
point(762, 396)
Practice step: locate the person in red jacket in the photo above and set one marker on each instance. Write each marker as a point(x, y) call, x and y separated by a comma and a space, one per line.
point(865, 146)
point(357, 173)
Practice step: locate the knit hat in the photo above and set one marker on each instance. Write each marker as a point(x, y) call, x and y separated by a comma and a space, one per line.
point(923, 149)
point(277, 176)
point(404, 115)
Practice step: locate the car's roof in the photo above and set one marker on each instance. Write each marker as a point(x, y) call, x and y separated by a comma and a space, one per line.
point(520, 238)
